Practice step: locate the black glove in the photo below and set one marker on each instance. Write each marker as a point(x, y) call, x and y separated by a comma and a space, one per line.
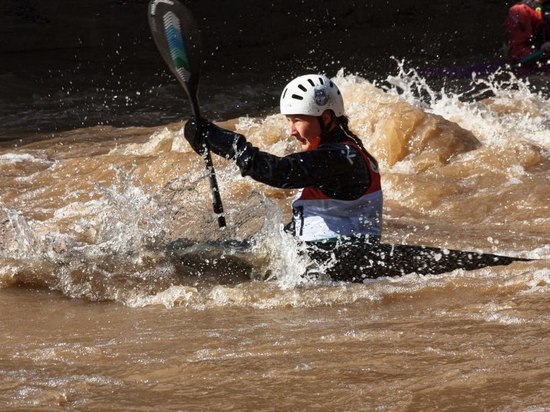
point(195, 134)
point(202, 133)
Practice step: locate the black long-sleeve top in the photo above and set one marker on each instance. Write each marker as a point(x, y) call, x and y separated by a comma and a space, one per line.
point(337, 169)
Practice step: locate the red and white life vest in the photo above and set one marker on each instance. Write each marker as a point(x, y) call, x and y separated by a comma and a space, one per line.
point(317, 216)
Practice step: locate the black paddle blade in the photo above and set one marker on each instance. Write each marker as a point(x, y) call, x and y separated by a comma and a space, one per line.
point(177, 38)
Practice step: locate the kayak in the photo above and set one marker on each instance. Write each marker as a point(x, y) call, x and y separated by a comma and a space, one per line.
point(348, 260)
point(360, 259)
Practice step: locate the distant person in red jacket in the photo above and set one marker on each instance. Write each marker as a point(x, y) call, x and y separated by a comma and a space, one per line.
point(528, 28)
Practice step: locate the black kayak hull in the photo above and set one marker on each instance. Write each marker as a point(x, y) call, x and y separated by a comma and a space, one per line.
point(357, 261)
point(350, 260)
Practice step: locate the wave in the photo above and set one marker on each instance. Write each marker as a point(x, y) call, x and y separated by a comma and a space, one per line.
point(97, 213)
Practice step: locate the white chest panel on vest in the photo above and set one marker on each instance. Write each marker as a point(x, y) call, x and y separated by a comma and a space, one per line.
point(317, 219)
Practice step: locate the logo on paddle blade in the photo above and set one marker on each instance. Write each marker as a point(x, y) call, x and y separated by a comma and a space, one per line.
point(172, 29)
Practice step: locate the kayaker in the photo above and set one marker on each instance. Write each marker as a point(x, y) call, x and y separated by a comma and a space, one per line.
point(340, 193)
point(337, 211)
point(527, 26)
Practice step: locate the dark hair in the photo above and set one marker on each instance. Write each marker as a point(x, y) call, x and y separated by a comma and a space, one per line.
point(343, 122)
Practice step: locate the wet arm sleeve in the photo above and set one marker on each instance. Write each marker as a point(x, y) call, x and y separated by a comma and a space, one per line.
point(337, 169)
point(330, 166)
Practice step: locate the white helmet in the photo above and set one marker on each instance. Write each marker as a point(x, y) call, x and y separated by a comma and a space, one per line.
point(311, 95)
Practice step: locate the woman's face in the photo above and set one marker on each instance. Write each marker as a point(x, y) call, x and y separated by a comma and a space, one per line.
point(306, 129)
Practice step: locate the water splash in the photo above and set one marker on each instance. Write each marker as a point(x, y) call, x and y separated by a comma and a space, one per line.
point(122, 224)
point(129, 218)
point(113, 246)
point(497, 108)
point(411, 87)
point(22, 240)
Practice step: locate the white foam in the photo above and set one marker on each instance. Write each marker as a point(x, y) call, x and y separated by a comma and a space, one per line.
point(169, 298)
point(539, 282)
point(13, 158)
point(158, 142)
point(514, 112)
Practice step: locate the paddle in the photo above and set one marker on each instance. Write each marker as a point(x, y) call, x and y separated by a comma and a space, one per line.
point(177, 38)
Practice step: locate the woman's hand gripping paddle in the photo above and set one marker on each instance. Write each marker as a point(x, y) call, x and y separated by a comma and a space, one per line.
point(177, 38)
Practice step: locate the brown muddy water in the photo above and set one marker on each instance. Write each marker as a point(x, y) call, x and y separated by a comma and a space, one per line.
point(119, 292)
